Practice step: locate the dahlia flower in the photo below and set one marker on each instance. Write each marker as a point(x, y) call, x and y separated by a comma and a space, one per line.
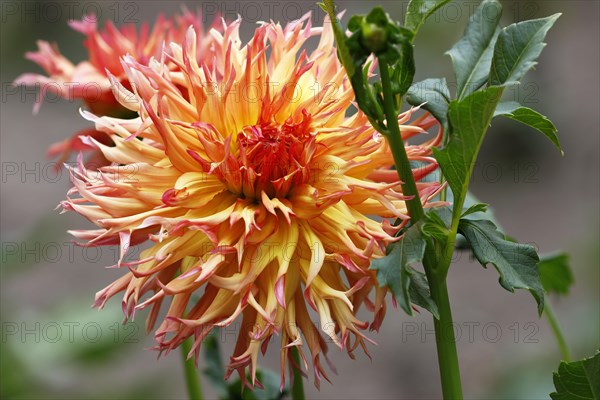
point(260, 190)
point(89, 80)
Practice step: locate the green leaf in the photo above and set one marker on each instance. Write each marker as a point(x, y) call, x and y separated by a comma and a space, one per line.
point(517, 48)
point(436, 96)
point(437, 223)
point(472, 54)
point(469, 120)
point(592, 371)
point(555, 273)
point(404, 70)
point(469, 203)
point(506, 107)
point(578, 380)
point(392, 270)
point(419, 292)
point(435, 227)
point(488, 213)
point(419, 10)
point(532, 118)
point(474, 209)
point(516, 263)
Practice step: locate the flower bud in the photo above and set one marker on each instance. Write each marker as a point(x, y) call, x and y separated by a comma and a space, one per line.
point(374, 37)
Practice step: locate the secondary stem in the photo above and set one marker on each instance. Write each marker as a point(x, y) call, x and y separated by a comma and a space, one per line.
point(562, 343)
point(436, 271)
point(298, 385)
point(192, 379)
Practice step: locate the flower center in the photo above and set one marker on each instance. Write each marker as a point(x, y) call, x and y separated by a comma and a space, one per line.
point(274, 156)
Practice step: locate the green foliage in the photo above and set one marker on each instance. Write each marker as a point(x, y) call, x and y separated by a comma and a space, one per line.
point(419, 10)
point(517, 48)
point(436, 96)
point(516, 263)
point(270, 390)
point(485, 60)
point(377, 34)
point(475, 209)
point(514, 53)
point(469, 119)
point(555, 273)
point(215, 372)
point(437, 223)
point(437, 226)
point(509, 54)
point(578, 380)
point(420, 293)
point(529, 117)
point(404, 71)
point(394, 271)
point(470, 201)
point(472, 54)
point(465, 119)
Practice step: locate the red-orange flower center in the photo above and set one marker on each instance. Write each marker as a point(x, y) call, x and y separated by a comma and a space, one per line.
point(274, 154)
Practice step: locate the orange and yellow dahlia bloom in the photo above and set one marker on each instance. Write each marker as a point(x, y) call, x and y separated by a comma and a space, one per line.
point(262, 192)
point(90, 80)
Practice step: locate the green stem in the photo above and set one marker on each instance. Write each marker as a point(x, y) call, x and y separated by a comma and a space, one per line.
point(409, 187)
point(192, 379)
point(445, 340)
point(560, 338)
point(298, 385)
point(435, 269)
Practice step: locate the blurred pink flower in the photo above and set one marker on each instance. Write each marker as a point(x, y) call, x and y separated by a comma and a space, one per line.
point(89, 80)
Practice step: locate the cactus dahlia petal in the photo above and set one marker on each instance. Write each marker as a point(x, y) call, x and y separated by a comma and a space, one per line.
point(254, 188)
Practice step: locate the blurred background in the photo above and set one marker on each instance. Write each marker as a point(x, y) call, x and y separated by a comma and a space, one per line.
point(54, 345)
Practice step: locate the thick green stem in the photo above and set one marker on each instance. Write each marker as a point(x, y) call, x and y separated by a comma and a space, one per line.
point(562, 343)
point(445, 340)
point(298, 384)
point(192, 379)
point(435, 268)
